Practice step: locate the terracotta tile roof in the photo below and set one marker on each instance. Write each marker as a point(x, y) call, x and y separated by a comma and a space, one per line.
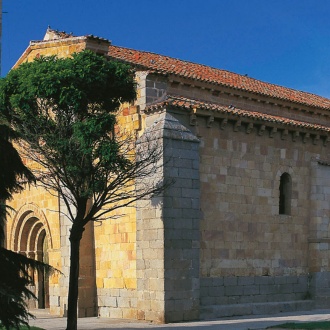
point(167, 65)
point(190, 104)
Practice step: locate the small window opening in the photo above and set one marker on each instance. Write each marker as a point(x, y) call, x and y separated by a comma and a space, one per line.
point(285, 194)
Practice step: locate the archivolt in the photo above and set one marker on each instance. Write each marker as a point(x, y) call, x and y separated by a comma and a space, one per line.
point(30, 228)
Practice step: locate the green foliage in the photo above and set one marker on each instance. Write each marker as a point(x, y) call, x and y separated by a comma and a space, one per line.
point(13, 170)
point(64, 109)
point(69, 86)
point(14, 281)
point(14, 276)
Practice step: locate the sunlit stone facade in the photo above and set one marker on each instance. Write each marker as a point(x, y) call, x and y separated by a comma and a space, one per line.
point(243, 229)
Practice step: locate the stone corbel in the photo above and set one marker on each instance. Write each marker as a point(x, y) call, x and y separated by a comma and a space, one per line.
point(237, 125)
point(193, 117)
point(295, 135)
point(316, 139)
point(306, 137)
point(249, 128)
point(325, 141)
point(193, 120)
point(261, 130)
point(285, 134)
point(210, 121)
point(223, 123)
point(272, 132)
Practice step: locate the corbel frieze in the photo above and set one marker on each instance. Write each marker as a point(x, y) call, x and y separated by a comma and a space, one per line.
point(285, 134)
point(272, 132)
point(193, 117)
point(316, 139)
point(261, 130)
point(210, 121)
point(306, 137)
point(237, 125)
point(223, 123)
point(249, 128)
point(295, 136)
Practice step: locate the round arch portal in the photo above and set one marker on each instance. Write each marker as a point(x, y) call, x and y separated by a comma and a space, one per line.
point(30, 236)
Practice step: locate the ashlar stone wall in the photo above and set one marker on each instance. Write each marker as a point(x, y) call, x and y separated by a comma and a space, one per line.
point(244, 239)
point(115, 244)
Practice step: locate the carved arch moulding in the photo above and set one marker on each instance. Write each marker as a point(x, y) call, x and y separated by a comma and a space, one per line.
point(29, 224)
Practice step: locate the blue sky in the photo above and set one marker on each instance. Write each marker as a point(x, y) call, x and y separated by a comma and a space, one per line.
point(285, 42)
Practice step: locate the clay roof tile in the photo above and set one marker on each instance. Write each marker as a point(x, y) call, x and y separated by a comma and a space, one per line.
point(167, 65)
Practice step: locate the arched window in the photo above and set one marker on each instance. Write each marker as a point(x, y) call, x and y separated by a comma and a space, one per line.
point(285, 194)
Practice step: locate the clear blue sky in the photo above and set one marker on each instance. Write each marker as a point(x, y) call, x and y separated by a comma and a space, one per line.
point(286, 42)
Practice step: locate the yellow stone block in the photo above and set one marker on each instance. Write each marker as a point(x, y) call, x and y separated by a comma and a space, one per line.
point(129, 313)
point(115, 283)
point(117, 273)
point(99, 283)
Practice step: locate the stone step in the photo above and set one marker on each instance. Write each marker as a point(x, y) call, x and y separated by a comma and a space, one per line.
point(264, 308)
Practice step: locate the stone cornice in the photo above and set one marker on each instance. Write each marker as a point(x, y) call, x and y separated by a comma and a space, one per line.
point(244, 119)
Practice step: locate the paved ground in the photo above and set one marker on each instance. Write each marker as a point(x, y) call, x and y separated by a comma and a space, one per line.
point(48, 322)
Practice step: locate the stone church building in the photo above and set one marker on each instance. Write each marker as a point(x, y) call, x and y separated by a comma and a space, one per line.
point(243, 230)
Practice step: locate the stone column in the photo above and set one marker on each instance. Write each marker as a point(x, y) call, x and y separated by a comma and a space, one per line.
point(168, 229)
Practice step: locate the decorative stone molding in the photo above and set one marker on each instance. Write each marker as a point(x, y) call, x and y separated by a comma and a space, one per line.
point(272, 132)
point(237, 125)
point(223, 123)
point(295, 136)
point(249, 128)
point(261, 130)
point(193, 120)
point(210, 121)
point(285, 134)
point(306, 137)
point(28, 219)
point(316, 139)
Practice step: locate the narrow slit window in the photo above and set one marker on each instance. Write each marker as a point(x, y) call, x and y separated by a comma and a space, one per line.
point(285, 194)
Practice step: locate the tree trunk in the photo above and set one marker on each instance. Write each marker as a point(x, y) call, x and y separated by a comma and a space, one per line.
point(75, 238)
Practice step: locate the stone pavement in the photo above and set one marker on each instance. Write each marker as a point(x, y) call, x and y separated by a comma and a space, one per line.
point(46, 321)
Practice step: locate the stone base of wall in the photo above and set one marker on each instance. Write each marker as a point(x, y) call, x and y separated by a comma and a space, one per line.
point(117, 303)
point(218, 311)
point(253, 289)
point(320, 289)
point(254, 295)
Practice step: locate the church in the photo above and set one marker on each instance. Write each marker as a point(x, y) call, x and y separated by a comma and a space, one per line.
point(244, 228)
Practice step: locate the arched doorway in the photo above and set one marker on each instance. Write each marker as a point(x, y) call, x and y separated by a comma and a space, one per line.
point(31, 236)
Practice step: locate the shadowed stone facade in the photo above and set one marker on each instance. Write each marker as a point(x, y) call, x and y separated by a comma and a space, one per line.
point(244, 227)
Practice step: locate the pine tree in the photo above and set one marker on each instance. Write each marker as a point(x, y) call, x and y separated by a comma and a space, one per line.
point(14, 276)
